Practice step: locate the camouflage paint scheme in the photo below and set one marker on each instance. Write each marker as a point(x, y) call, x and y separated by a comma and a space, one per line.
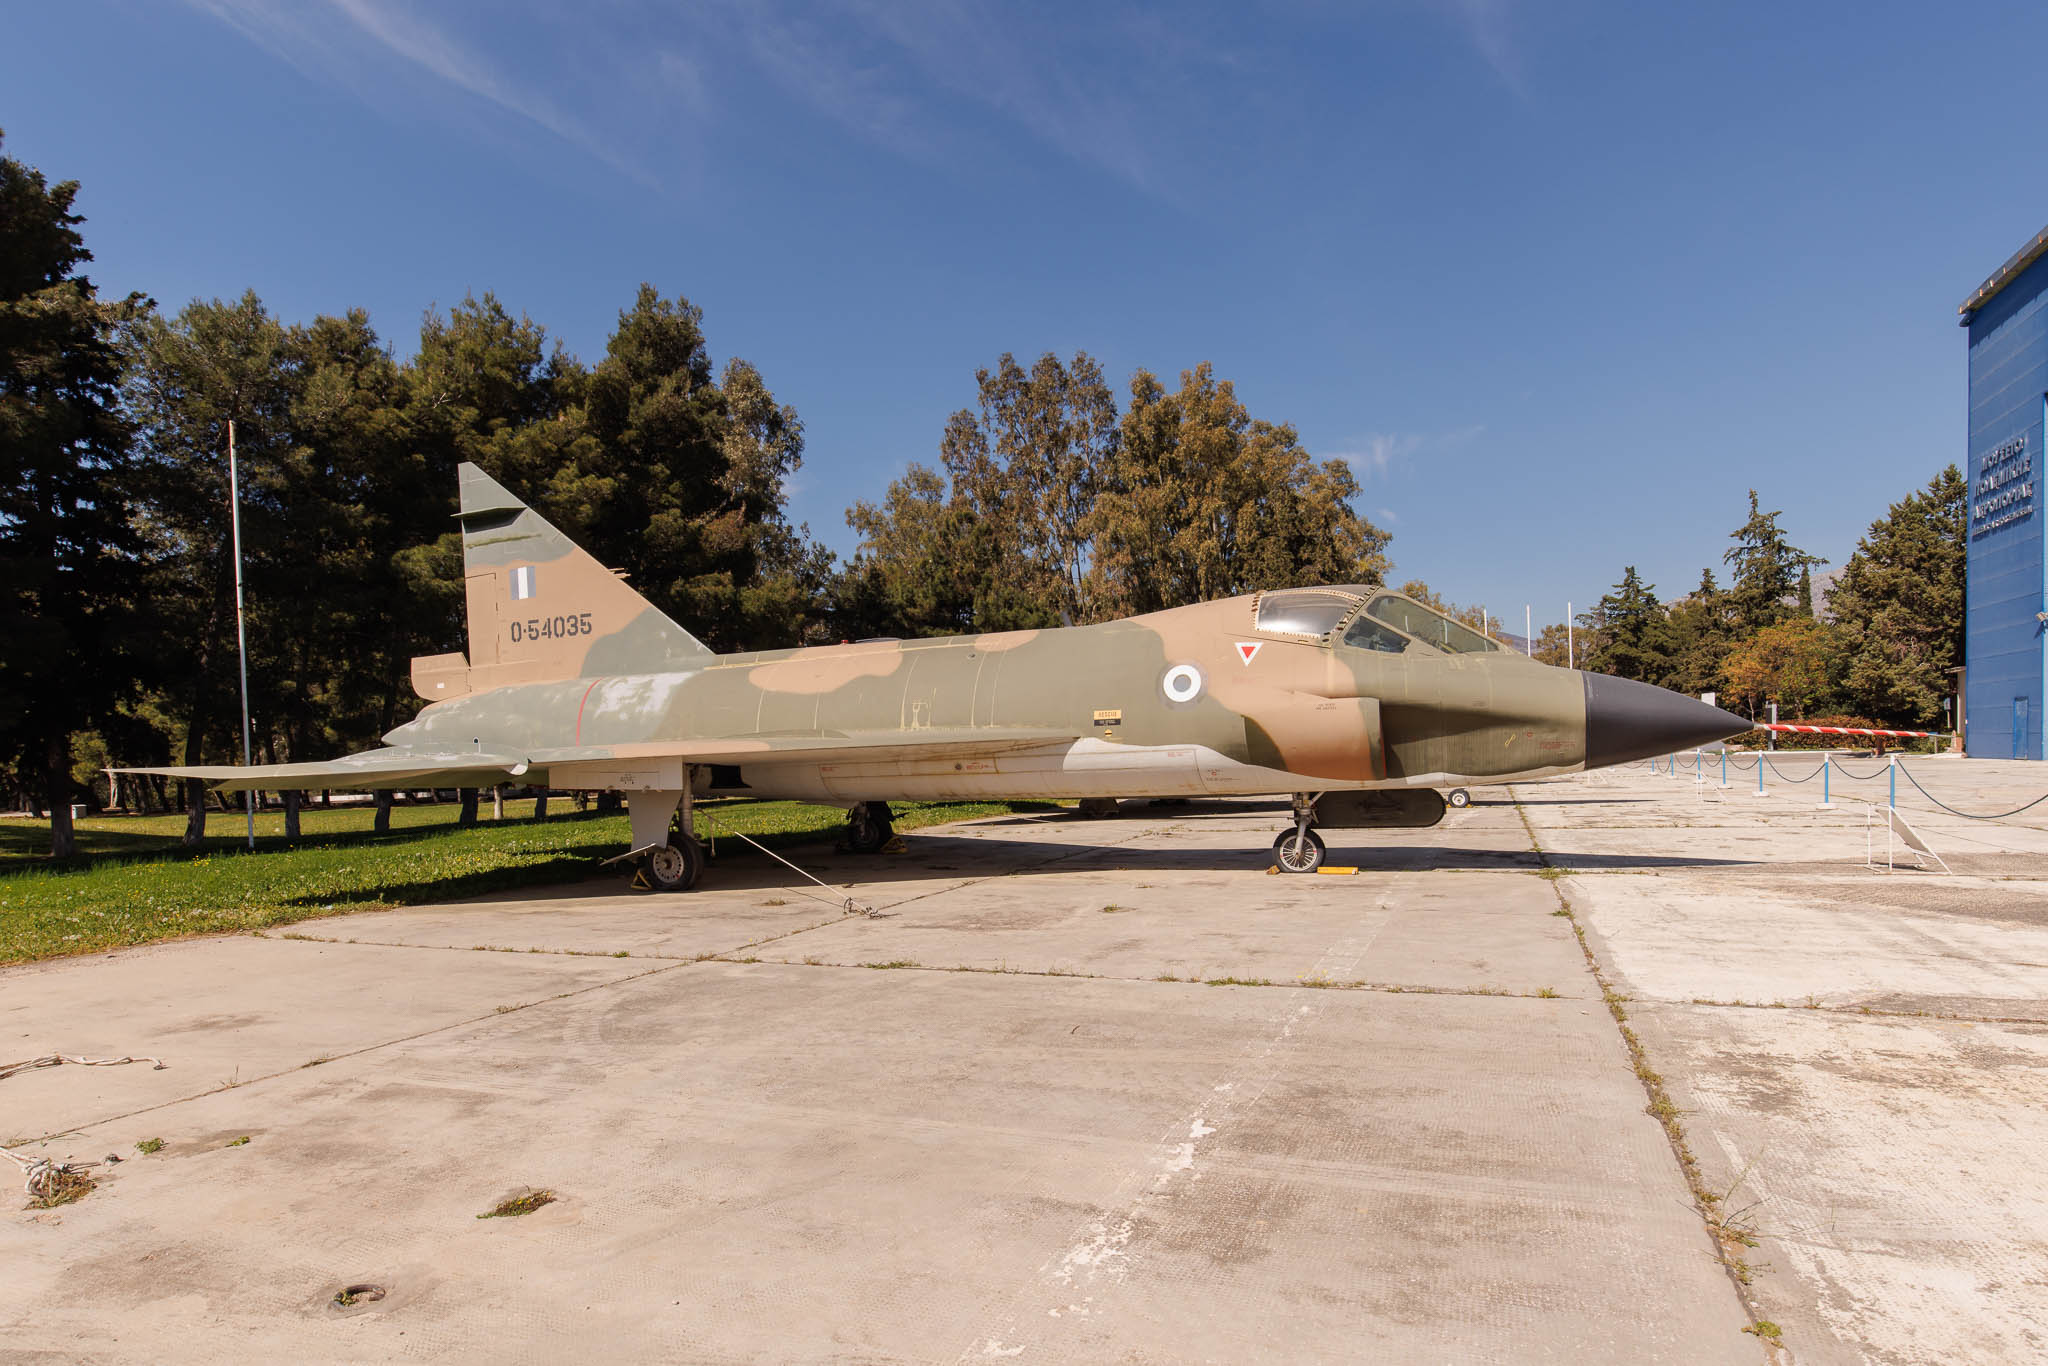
point(574, 680)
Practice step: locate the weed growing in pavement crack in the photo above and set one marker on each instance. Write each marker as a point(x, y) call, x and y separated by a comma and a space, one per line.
point(517, 1205)
point(64, 1187)
point(1730, 1240)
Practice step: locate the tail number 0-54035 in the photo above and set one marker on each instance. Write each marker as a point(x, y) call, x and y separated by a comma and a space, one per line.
point(551, 628)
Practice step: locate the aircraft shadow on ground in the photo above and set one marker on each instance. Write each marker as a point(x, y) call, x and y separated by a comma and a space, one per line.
point(741, 869)
point(1564, 801)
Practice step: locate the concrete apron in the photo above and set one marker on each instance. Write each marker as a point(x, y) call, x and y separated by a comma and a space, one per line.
point(795, 1151)
point(1861, 1057)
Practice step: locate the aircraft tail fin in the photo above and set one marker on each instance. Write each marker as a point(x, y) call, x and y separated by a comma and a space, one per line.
point(542, 609)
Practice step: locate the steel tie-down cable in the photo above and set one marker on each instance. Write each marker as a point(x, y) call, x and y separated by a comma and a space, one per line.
point(42, 1173)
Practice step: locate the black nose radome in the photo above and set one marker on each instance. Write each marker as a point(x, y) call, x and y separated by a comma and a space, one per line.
point(1628, 720)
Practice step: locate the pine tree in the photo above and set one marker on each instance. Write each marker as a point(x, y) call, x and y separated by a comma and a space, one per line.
point(1767, 567)
point(67, 553)
point(1702, 631)
point(214, 363)
point(1634, 639)
point(1899, 604)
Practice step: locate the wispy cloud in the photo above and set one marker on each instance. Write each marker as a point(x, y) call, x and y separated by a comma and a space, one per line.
point(930, 79)
point(1137, 96)
point(328, 40)
point(1151, 98)
point(837, 74)
point(1487, 24)
point(1381, 453)
point(407, 35)
point(1382, 449)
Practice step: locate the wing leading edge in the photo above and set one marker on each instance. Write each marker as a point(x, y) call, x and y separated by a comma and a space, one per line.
point(403, 768)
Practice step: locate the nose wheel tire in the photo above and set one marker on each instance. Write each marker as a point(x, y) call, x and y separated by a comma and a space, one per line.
point(675, 866)
point(1459, 798)
point(1298, 851)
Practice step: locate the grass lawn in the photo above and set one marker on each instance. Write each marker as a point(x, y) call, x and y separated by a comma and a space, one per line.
point(134, 884)
point(25, 843)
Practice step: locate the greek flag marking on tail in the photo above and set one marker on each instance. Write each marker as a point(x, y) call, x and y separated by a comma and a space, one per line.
point(522, 582)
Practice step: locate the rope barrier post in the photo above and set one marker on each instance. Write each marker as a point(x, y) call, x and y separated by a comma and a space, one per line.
point(1724, 767)
point(1892, 770)
point(1827, 760)
point(1759, 773)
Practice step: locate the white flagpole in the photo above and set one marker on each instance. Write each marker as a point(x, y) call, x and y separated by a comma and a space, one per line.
point(1571, 656)
point(241, 632)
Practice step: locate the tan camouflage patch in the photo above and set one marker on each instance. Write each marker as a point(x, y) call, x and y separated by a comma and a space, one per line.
point(827, 668)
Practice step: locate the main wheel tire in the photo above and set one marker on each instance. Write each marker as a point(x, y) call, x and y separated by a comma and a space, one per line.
point(868, 827)
point(1302, 853)
point(1459, 798)
point(675, 866)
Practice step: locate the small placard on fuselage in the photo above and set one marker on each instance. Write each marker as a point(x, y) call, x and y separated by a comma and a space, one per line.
point(1109, 718)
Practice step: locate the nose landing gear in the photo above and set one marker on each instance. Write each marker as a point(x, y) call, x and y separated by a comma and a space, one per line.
point(1300, 850)
point(1459, 798)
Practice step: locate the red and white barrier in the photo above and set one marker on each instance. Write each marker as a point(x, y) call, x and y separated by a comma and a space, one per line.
point(1855, 730)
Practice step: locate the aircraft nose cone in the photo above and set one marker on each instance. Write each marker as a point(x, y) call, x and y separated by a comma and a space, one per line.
point(1629, 720)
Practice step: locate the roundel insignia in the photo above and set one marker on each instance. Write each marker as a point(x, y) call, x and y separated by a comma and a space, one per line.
point(1247, 650)
point(1182, 683)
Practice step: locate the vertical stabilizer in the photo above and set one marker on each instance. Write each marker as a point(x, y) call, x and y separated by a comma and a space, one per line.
point(542, 609)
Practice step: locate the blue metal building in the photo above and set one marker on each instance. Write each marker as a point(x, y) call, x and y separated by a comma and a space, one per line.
point(2006, 628)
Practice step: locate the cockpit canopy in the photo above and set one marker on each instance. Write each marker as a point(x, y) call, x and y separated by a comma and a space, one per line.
point(1369, 618)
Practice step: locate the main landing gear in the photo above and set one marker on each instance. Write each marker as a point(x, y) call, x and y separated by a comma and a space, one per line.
point(869, 827)
point(665, 842)
point(1300, 850)
point(675, 866)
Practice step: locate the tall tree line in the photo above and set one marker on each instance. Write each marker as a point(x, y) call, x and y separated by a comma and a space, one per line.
point(347, 458)
point(1053, 506)
point(1882, 648)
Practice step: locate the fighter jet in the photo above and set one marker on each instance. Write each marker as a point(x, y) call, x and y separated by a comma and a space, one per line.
point(1358, 703)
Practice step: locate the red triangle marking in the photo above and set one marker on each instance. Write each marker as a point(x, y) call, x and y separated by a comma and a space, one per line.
point(1248, 648)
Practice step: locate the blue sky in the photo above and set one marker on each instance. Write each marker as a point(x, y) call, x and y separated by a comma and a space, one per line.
point(1562, 281)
